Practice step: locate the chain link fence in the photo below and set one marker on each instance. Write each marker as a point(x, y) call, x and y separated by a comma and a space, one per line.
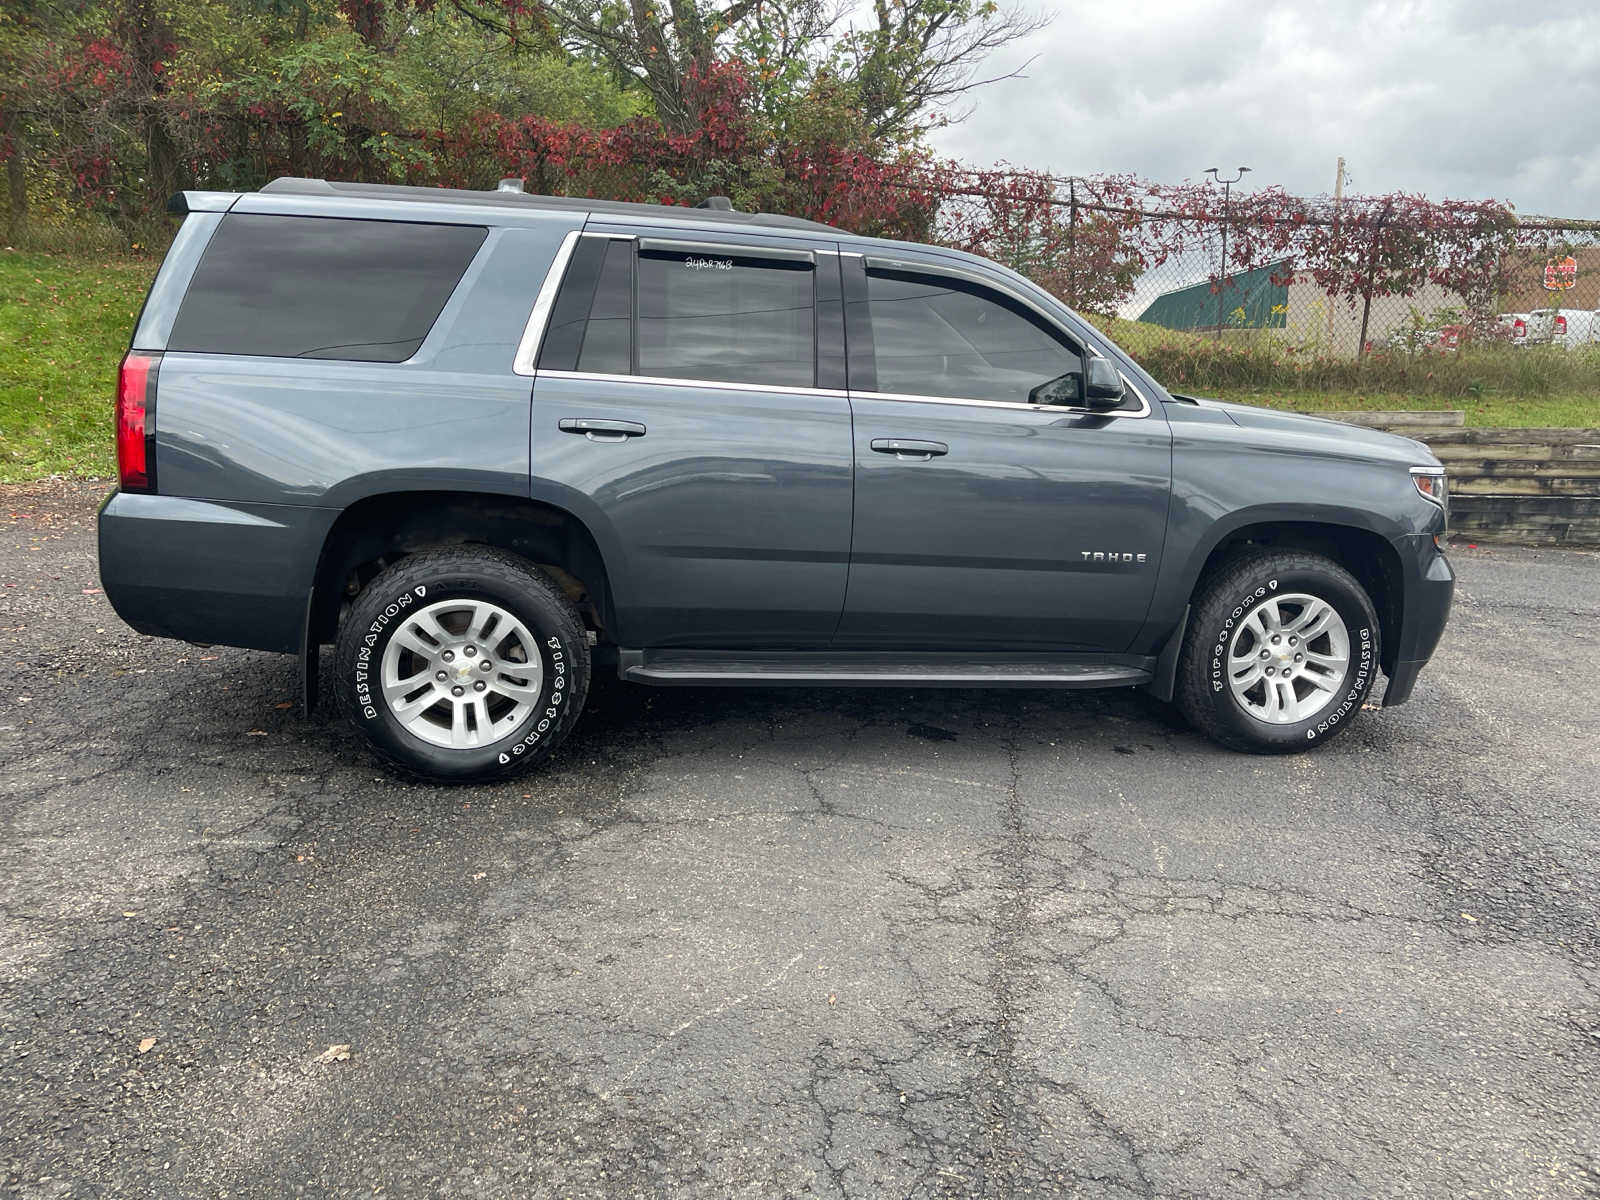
point(1302, 278)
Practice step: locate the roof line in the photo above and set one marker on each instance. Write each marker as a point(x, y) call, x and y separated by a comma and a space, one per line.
point(294, 186)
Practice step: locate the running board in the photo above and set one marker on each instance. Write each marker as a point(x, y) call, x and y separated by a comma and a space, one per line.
point(847, 668)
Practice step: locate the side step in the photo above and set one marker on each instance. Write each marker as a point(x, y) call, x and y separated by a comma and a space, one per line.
point(851, 668)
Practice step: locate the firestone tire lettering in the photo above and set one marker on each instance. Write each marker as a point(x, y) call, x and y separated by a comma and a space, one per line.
point(476, 571)
point(1232, 591)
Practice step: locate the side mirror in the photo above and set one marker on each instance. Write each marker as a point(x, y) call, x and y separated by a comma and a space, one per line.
point(1103, 387)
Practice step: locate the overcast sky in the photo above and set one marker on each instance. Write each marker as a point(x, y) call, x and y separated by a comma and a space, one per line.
point(1467, 99)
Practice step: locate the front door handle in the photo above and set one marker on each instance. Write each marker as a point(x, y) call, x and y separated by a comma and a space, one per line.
point(599, 430)
point(909, 448)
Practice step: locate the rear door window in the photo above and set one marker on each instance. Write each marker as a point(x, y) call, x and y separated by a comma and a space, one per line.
point(321, 287)
point(727, 316)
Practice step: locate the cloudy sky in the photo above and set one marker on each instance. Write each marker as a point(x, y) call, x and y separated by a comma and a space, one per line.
point(1465, 99)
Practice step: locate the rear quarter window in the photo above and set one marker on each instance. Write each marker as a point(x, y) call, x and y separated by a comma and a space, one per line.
point(321, 287)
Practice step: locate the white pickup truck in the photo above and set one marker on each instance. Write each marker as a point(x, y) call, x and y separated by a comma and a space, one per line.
point(1569, 328)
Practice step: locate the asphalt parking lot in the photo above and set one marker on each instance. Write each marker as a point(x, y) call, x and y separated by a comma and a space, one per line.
point(761, 944)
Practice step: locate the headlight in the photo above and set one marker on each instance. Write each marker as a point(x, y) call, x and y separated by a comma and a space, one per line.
point(1430, 482)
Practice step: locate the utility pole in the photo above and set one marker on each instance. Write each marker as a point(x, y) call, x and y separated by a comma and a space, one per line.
point(1222, 272)
point(1338, 201)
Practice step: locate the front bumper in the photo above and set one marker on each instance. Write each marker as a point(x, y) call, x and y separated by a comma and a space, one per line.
point(217, 572)
point(1430, 587)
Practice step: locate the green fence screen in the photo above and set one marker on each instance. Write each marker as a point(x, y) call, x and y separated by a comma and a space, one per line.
point(1265, 304)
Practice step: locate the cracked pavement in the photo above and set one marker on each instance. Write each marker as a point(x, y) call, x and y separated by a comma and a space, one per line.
point(778, 943)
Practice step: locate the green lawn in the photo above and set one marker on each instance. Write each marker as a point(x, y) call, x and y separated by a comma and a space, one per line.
point(65, 321)
point(1572, 411)
point(1494, 386)
point(64, 324)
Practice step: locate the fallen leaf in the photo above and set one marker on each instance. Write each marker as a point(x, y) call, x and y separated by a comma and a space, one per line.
point(91, 591)
point(284, 704)
point(1469, 917)
point(833, 997)
point(334, 1054)
point(256, 733)
point(147, 1045)
point(130, 913)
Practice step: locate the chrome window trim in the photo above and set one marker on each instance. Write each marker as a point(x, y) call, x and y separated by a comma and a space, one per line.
point(1055, 409)
point(786, 390)
point(533, 338)
point(533, 332)
point(679, 381)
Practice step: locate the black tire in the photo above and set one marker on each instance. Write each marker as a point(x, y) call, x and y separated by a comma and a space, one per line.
point(1224, 602)
point(424, 583)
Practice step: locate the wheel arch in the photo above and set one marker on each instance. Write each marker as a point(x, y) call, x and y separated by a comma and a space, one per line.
point(1356, 543)
point(378, 530)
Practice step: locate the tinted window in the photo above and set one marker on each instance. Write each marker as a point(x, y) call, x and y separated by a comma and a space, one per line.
point(314, 287)
point(563, 337)
point(608, 334)
point(726, 317)
point(946, 338)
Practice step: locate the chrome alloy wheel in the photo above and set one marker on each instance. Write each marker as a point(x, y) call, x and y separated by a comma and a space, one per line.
point(1287, 660)
point(461, 673)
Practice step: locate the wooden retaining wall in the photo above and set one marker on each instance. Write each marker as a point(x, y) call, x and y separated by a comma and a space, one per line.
point(1533, 487)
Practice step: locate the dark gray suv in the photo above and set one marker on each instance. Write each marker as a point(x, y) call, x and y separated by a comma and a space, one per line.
point(485, 441)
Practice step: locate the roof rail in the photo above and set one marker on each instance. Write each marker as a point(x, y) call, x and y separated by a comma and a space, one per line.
point(715, 209)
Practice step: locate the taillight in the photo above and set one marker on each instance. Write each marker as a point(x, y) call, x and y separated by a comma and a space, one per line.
point(136, 422)
point(1561, 327)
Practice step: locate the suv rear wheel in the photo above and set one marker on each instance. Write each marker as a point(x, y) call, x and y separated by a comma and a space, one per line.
point(463, 665)
point(1281, 651)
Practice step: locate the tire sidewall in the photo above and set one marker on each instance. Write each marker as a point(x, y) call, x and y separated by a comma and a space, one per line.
point(1222, 622)
point(381, 613)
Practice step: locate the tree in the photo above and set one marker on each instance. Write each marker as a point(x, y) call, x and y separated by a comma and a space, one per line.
point(914, 55)
point(1056, 232)
point(28, 28)
point(920, 55)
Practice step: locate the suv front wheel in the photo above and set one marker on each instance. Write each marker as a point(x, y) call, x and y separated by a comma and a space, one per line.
point(1281, 651)
point(463, 665)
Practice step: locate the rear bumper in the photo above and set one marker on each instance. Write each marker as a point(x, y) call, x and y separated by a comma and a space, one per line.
point(219, 572)
point(1430, 587)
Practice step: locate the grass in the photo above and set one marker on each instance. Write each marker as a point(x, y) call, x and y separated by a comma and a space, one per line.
point(65, 319)
point(1579, 410)
point(1494, 385)
point(64, 325)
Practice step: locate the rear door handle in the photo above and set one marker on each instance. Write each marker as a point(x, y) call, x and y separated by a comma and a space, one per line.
point(909, 448)
point(597, 429)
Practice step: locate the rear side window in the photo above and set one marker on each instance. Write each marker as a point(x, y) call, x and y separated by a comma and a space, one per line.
point(591, 328)
point(319, 287)
point(727, 317)
point(934, 336)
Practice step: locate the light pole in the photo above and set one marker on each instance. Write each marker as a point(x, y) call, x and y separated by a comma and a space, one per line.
point(1222, 275)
